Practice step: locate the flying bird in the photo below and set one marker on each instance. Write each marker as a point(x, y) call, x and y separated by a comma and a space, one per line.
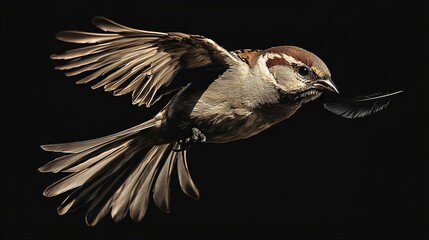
point(244, 93)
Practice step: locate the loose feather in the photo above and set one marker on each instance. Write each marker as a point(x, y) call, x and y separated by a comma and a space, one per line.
point(360, 106)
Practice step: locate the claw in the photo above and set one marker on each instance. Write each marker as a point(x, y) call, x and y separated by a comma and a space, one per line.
point(196, 137)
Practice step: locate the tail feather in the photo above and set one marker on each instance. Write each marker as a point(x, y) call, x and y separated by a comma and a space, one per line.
point(118, 173)
point(141, 193)
point(89, 190)
point(86, 164)
point(122, 197)
point(186, 183)
point(78, 178)
point(80, 146)
point(132, 188)
point(77, 161)
point(161, 192)
point(103, 201)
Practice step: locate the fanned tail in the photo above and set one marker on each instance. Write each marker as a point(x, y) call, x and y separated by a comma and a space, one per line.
point(117, 173)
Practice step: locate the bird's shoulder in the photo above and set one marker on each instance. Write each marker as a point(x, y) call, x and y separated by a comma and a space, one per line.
point(249, 56)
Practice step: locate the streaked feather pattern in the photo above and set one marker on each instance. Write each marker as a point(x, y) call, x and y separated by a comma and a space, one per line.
point(111, 175)
point(127, 60)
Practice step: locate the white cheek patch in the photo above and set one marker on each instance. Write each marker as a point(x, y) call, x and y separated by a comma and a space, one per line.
point(262, 69)
point(261, 65)
point(287, 79)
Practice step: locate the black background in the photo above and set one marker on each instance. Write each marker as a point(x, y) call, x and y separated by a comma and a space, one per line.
point(313, 175)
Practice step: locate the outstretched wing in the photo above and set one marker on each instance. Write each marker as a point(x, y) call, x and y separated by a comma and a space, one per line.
point(126, 60)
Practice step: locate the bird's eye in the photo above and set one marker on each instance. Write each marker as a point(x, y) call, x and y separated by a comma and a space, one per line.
point(303, 71)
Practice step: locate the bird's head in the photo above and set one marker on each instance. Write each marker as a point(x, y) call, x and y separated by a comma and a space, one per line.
point(298, 73)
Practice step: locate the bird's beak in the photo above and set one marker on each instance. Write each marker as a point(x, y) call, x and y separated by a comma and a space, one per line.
point(326, 85)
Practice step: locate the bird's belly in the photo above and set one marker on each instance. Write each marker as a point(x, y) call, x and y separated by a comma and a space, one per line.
point(227, 135)
point(220, 114)
point(231, 127)
point(235, 124)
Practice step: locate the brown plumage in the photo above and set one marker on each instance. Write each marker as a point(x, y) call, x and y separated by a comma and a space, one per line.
point(253, 90)
point(248, 55)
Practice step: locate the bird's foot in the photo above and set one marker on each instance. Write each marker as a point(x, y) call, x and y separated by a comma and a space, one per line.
point(196, 137)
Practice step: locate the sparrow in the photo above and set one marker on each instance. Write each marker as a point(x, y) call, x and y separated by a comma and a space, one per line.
point(244, 93)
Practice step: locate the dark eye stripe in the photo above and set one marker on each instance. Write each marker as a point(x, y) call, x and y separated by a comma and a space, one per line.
point(276, 61)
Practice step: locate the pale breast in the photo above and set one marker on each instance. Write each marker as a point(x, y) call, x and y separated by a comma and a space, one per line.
point(224, 123)
point(236, 107)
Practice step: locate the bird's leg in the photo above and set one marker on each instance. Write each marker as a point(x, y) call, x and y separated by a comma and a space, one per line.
point(196, 137)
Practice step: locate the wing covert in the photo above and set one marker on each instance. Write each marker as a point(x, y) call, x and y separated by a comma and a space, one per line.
point(126, 60)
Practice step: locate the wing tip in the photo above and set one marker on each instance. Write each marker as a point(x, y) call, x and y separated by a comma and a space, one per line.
point(43, 169)
point(49, 167)
point(99, 18)
point(55, 57)
point(46, 147)
point(56, 147)
point(99, 21)
point(64, 35)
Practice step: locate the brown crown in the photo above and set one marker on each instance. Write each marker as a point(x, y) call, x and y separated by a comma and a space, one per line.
point(302, 55)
